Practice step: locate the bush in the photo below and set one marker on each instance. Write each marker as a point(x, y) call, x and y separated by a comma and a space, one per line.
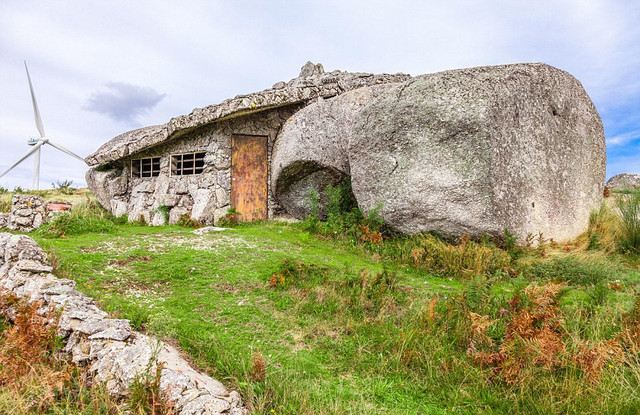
point(64, 187)
point(467, 259)
point(629, 237)
point(84, 218)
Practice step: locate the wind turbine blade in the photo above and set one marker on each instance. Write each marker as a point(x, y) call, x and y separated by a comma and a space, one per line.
point(30, 152)
point(69, 152)
point(36, 170)
point(36, 112)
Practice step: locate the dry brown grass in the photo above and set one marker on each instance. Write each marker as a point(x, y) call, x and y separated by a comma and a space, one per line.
point(533, 336)
point(35, 378)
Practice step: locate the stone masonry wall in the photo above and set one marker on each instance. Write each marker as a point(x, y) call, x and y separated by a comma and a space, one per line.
point(206, 196)
point(28, 212)
point(110, 350)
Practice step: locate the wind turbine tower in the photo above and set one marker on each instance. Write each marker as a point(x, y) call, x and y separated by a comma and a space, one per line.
point(37, 143)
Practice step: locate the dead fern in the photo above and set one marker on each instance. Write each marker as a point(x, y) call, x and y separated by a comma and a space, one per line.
point(534, 336)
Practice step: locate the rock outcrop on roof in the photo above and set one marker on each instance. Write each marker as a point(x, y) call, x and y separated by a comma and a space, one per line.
point(312, 83)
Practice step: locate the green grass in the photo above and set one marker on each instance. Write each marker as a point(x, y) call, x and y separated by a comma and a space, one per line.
point(347, 329)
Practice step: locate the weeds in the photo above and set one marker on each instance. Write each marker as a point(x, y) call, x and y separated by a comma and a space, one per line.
point(164, 210)
point(146, 395)
point(231, 218)
point(629, 239)
point(5, 206)
point(84, 218)
point(186, 222)
point(466, 260)
point(64, 187)
point(35, 379)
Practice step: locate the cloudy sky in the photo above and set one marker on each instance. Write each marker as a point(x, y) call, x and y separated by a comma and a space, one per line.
point(100, 68)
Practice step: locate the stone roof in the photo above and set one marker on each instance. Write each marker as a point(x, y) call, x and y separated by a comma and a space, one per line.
point(312, 83)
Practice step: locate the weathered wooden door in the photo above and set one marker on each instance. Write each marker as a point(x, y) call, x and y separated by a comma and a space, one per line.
point(249, 177)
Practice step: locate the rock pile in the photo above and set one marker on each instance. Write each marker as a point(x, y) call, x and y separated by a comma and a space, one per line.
point(28, 212)
point(109, 348)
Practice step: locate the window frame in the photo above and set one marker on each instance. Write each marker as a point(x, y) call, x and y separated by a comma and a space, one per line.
point(147, 167)
point(193, 165)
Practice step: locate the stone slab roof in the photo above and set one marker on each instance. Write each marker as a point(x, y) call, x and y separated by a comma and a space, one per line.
point(312, 83)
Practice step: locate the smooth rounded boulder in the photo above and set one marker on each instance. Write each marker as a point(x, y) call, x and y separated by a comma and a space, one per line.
point(480, 150)
point(311, 151)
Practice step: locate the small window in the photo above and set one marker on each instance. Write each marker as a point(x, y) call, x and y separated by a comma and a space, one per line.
point(188, 163)
point(149, 167)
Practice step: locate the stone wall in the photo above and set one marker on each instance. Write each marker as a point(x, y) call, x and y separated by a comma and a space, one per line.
point(28, 212)
point(206, 196)
point(112, 352)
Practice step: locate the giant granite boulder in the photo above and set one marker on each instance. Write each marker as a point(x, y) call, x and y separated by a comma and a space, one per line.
point(311, 151)
point(481, 150)
point(473, 151)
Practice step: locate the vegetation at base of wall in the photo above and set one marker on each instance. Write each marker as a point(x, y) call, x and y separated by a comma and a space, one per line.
point(186, 222)
point(83, 218)
point(34, 379)
point(164, 210)
point(231, 218)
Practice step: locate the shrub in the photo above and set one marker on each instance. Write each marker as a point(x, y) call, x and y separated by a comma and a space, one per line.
point(231, 218)
point(575, 270)
point(64, 187)
point(186, 221)
point(534, 335)
point(340, 200)
point(467, 259)
point(629, 238)
point(84, 218)
point(164, 210)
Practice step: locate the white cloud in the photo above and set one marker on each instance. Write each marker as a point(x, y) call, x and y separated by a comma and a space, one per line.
point(623, 139)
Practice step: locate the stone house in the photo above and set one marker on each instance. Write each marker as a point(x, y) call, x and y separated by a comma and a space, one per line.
point(471, 151)
point(213, 159)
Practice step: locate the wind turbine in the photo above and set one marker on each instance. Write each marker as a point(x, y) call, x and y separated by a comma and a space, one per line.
point(38, 142)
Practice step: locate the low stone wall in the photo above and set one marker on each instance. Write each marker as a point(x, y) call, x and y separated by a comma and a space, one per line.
point(109, 348)
point(28, 212)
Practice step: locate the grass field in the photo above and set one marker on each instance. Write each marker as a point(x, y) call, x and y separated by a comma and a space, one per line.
point(305, 319)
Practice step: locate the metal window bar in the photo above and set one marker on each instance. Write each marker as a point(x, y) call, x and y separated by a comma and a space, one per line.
point(187, 164)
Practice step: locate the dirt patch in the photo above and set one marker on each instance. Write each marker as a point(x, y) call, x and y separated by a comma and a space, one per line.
point(135, 258)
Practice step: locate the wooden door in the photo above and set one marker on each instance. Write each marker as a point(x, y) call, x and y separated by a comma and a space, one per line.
point(249, 177)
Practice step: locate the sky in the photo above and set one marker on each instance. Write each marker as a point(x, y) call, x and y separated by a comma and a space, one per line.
point(101, 68)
